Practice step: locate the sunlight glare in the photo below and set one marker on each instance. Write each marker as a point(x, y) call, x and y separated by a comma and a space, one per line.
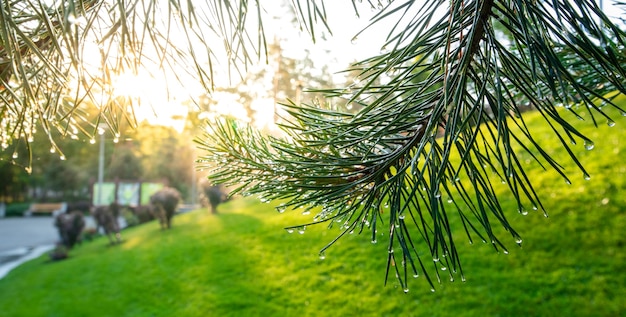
point(157, 101)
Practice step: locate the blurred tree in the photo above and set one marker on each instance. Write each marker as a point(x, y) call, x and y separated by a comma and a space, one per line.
point(266, 86)
point(15, 181)
point(165, 156)
point(125, 164)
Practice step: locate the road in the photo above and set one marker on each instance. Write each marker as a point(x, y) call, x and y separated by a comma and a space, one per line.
point(27, 232)
point(23, 239)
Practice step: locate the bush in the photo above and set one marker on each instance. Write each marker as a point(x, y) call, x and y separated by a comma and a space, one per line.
point(130, 218)
point(89, 233)
point(16, 209)
point(60, 252)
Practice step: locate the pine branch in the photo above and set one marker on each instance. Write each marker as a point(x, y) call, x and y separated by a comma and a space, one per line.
point(455, 87)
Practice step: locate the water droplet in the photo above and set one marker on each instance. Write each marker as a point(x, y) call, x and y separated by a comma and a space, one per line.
point(401, 217)
point(463, 278)
point(52, 150)
point(586, 176)
point(322, 256)
point(62, 157)
point(589, 145)
point(92, 141)
point(406, 290)
point(416, 275)
point(610, 123)
point(443, 268)
point(518, 240)
point(281, 208)
point(374, 241)
point(435, 259)
point(390, 251)
point(567, 181)
point(289, 230)
point(15, 155)
point(432, 290)
point(301, 229)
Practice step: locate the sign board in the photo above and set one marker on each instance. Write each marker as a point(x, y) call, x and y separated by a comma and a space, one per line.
point(126, 193)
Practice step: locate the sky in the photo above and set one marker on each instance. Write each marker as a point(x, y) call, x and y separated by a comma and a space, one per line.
point(337, 50)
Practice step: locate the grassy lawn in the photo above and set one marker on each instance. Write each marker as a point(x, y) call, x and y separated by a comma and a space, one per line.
point(242, 263)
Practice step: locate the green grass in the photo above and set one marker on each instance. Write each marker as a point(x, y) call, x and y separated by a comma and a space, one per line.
point(242, 263)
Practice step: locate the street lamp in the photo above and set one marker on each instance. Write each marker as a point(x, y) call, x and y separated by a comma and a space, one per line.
point(98, 201)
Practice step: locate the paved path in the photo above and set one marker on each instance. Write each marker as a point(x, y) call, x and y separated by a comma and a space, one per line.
point(25, 238)
point(27, 232)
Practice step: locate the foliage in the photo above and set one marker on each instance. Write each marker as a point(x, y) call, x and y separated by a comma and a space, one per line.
point(154, 153)
point(130, 219)
point(448, 85)
point(238, 264)
point(12, 189)
point(16, 209)
point(61, 60)
point(281, 78)
point(165, 155)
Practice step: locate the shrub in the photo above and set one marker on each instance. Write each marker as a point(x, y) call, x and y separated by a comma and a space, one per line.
point(89, 233)
point(16, 209)
point(130, 217)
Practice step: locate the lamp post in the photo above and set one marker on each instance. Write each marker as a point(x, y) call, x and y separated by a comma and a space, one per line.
point(98, 201)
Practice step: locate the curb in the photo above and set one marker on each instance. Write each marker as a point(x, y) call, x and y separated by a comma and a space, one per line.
point(13, 258)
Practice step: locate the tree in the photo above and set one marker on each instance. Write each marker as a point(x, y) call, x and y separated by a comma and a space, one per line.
point(443, 72)
point(125, 165)
point(164, 155)
point(274, 82)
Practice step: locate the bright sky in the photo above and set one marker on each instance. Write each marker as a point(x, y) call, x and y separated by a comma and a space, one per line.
point(337, 51)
